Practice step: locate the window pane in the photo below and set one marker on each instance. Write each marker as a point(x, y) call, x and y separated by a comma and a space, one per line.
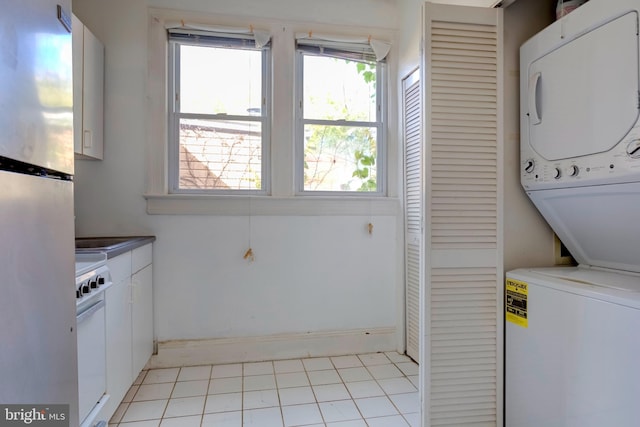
point(217, 80)
point(339, 89)
point(339, 158)
point(220, 155)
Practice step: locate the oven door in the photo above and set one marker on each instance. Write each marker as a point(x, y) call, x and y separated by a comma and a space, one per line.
point(91, 356)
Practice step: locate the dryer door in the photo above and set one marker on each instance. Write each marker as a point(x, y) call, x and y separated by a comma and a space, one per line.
point(582, 97)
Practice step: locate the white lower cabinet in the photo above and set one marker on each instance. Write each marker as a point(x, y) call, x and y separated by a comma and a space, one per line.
point(129, 322)
point(142, 307)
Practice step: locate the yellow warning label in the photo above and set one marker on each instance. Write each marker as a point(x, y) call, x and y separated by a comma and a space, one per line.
point(516, 302)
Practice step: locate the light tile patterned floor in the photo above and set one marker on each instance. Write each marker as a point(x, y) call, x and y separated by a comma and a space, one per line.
point(374, 390)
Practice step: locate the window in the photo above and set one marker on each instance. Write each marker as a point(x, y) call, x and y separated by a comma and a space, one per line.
point(340, 128)
point(219, 113)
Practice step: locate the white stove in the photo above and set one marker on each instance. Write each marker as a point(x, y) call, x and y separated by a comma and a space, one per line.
point(90, 267)
point(92, 279)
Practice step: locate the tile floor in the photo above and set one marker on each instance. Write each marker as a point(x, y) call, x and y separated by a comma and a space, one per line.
point(375, 390)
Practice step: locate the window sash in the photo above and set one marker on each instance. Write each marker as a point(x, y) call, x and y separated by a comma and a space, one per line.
point(175, 116)
point(302, 122)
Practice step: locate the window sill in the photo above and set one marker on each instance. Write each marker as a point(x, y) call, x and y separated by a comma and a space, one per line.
point(179, 204)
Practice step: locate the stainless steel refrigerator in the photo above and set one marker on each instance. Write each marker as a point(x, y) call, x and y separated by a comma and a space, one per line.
point(38, 362)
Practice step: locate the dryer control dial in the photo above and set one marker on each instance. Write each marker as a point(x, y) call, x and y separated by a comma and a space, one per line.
point(556, 173)
point(573, 170)
point(633, 149)
point(529, 166)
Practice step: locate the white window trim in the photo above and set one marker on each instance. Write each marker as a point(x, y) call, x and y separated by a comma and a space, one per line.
point(189, 204)
point(283, 200)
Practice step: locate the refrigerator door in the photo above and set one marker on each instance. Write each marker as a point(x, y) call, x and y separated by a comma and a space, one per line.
point(38, 359)
point(36, 97)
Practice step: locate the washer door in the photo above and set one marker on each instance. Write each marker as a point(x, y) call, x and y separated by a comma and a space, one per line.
point(582, 98)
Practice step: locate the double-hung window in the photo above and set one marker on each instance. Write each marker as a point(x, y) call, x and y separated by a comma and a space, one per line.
point(219, 98)
point(340, 117)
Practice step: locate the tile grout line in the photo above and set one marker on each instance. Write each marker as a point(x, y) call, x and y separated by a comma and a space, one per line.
point(169, 399)
point(376, 381)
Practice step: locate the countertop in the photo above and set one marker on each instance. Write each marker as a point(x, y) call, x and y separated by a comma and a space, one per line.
point(112, 246)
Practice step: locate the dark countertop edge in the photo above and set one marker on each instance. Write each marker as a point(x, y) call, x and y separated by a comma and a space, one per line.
point(113, 251)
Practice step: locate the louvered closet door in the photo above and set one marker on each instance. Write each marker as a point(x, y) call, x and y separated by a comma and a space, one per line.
point(463, 247)
point(413, 195)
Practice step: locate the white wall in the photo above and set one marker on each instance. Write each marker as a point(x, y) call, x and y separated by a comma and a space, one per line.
point(409, 36)
point(311, 273)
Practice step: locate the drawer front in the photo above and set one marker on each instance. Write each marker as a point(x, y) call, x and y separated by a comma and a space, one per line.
point(120, 267)
point(141, 257)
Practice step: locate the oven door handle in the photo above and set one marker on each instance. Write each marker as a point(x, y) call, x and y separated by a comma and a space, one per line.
point(89, 312)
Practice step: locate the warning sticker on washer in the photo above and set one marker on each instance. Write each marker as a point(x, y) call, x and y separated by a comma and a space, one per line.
point(516, 302)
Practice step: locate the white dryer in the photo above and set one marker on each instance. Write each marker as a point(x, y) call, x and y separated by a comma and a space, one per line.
point(571, 357)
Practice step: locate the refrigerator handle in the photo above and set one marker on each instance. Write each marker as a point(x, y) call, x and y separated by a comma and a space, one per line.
point(534, 81)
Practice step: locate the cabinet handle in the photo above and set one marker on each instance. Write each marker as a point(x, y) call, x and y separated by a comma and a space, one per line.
point(86, 140)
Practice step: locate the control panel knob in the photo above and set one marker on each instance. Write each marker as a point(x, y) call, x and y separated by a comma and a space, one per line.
point(86, 289)
point(557, 173)
point(79, 293)
point(573, 170)
point(633, 149)
point(93, 284)
point(100, 281)
point(529, 166)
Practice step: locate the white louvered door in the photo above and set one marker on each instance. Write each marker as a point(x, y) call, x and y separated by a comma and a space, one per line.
point(413, 196)
point(462, 382)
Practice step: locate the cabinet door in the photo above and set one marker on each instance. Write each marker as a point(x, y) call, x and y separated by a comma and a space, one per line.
point(93, 95)
point(78, 59)
point(119, 363)
point(142, 317)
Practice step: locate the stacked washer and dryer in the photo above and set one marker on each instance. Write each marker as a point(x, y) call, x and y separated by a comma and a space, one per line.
point(572, 349)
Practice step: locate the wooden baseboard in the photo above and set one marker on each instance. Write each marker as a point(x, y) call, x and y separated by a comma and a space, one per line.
point(272, 347)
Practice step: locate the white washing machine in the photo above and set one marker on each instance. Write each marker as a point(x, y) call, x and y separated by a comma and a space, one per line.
point(572, 346)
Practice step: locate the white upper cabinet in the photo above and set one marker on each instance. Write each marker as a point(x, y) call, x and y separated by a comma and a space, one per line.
point(88, 92)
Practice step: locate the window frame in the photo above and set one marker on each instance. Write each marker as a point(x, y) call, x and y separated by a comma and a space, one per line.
point(348, 49)
point(225, 40)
